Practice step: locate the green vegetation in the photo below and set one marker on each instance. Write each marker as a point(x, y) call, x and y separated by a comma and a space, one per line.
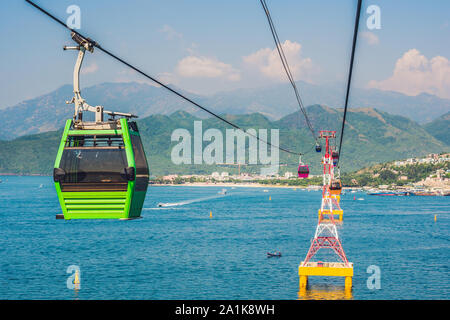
point(371, 137)
point(48, 112)
point(294, 182)
point(440, 128)
point(389, 173)
point(289, 182)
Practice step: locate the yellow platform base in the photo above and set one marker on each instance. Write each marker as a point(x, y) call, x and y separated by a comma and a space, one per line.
point(326, 213)
point(326, 269)
point(328, 293)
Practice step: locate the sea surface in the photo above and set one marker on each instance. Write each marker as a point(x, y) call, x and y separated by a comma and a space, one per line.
point(180, 252)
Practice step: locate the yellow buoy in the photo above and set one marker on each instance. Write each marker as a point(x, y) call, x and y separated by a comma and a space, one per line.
point(435, 217)
point(76, 281)
point(210, 214)
point(270, 198)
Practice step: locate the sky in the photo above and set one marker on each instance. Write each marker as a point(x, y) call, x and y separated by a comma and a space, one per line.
point(206, 46)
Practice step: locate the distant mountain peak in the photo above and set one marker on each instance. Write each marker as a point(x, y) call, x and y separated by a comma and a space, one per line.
point(446, 116)
point(181, 114)
point(370, 112)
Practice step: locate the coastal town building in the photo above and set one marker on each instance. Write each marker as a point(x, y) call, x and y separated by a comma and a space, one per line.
point(431, 158)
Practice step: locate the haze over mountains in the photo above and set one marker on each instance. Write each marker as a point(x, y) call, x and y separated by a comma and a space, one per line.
point(48, 112)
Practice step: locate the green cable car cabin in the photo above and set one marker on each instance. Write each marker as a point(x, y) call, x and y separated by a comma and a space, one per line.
point(101, 170)
point(101, 174)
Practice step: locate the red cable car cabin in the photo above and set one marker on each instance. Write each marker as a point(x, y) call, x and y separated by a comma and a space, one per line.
point(335, 156)
point(303, 171)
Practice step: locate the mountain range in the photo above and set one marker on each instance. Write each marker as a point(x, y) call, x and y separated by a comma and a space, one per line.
point(371, 136)
point(48, 112)
point(440, 128)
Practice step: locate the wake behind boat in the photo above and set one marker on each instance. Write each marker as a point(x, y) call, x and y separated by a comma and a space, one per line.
point(182, 203)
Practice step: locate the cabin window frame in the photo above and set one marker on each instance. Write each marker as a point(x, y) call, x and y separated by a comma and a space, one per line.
point(81, 175)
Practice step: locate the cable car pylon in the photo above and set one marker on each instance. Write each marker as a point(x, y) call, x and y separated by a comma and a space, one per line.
point(326, 235)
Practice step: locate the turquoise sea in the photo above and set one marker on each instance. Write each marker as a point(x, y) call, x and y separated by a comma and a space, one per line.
point(179, 252)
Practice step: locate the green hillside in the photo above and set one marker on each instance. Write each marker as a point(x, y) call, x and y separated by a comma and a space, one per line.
point(274, 101)
point(391, 174)
point(440, 128)
point(371, 137)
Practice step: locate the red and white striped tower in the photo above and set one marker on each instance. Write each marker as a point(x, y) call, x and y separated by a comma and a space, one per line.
point(326, 235)
point(330, 198)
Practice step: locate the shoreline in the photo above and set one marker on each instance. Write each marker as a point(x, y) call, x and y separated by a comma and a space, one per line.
point(309, 187)
point(437, 191)
point(231, 184)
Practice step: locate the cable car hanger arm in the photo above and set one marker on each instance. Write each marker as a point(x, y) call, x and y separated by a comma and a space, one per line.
point(80, 103)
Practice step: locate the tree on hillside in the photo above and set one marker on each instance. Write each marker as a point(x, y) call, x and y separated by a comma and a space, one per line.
point(388, 175)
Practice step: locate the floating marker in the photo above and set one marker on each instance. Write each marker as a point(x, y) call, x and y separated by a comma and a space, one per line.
point(210, 214)
point(76, 281)
point(435, 217)
point(270, 198)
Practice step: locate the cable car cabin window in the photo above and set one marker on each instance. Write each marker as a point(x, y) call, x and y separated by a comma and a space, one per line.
point(335, 185)
point(94, 141)
point(141, 163)
point(303, 170)
point(94, 163)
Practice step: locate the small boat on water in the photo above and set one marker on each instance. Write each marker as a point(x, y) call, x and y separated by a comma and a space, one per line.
point(395, 193)
point(274, 254)
point(388, 193)
point(223, 191)
point(425, 193)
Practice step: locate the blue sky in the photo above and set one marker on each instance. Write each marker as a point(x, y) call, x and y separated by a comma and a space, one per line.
point(209, 46)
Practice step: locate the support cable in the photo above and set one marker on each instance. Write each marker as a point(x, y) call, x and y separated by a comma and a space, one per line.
point(286, 66)
point(355, 36)
point(95, 44)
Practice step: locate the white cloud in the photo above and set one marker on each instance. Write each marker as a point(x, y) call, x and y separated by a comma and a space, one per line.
point(204, 67)
point(167, 78)
point(267, 61)
point(414, 74)
point(370, 37)
point(89, 69)
point(170, 32)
